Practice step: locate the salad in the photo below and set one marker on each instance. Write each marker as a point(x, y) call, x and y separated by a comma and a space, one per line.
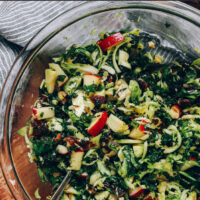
point(121, 118)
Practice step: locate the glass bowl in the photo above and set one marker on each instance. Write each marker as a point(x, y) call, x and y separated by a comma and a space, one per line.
point(176, 24)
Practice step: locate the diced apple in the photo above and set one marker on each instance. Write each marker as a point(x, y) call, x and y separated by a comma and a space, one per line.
point(90, 79)
point(94, 177)
point(111, 41)
point(43, 113)
point(116, 124)
point(138, 132)
point(97, 123)
point(76, 159)
point(175, 112)
point(133, 193)
point(83, 175)
point(50, 78)
point(57, 68)
point(61, 149)
point(100, 93)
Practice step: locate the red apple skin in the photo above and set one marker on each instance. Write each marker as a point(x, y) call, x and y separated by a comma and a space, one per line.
point(79, 151)
point(62, 83)
point(141, 126)
point(137, 192)
point(34, 111)
point(90, 74)
point(192, 159)
point(84, 175)
point(111, 41)
point(63, 152)
point(149, 197)
point(176, 109)
point(98, 126)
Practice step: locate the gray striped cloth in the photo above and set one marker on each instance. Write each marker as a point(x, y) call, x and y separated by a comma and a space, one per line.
point(19, 22)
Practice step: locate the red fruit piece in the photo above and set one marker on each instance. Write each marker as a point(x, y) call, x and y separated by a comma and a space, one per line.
point(98, 123)
point(111, 41)
point(192, 159)
point(175, 112)
point(58, 137)
point(133, 193)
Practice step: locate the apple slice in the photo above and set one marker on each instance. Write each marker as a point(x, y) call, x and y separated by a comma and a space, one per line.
point(50, 79)
point(61, 149)
point(89, 79)
point(111, 41)
point(116, 124)
point(175, 112)
point(43, 113)
point(76, 159)
point(83, 175)
point(98, 123)
point(138, 132)
point(133, 193)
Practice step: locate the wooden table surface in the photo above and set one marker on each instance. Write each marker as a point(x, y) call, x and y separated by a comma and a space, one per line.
point(4, 191)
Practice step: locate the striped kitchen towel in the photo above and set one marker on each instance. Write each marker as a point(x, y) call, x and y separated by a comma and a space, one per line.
point(20, 21)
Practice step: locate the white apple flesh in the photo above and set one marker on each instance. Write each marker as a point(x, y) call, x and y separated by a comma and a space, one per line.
point(97, 123)
point(76, 159)
point(61, 149)
point(116, 124)
point(50, 79)
point(43, 113)
point(136, 192)
point(90, 79)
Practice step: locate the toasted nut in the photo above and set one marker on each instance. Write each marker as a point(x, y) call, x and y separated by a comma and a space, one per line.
point(151, 44)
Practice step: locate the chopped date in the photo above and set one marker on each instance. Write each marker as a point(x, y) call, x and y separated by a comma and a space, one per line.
point(121, 192)
point(184, 103)
point(39, 127)
point(85, 144)
point(143, 84)
point(91, 189)
point(98, 100)
point(72, 140)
